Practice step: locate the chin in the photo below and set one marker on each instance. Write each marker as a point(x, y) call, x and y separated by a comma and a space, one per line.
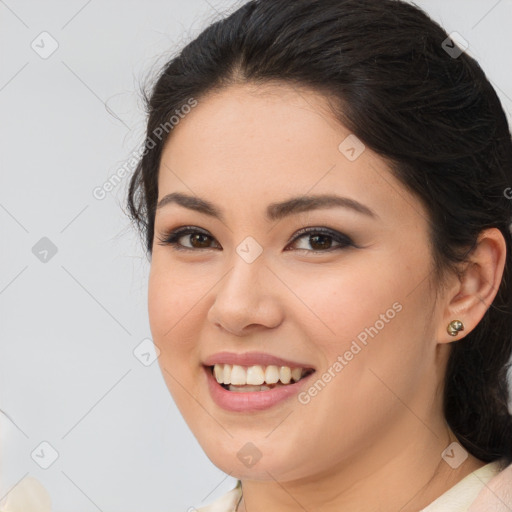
point(245, 460)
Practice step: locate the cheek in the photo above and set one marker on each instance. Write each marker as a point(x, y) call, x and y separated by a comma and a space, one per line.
point(374, 355)
point(340, 303)
point(173, 309)
point(170, 297)
point(363, 317)
point(163, 306)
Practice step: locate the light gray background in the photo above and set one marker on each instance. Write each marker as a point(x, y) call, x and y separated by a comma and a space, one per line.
point(69, 326)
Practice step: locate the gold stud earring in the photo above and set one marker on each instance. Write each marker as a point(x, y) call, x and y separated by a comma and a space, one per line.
point(454, 327)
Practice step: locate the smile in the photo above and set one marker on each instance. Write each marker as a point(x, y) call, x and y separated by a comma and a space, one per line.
point(253, 378)
point(238, 395)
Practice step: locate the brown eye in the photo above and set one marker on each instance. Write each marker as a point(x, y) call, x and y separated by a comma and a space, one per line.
point(198, 240)
point(321, 240)
point(187, 238)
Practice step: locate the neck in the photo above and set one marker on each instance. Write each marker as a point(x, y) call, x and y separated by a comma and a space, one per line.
point(401, 477)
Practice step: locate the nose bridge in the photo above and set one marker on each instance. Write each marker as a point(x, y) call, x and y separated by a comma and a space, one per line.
point(245, 279)
point(247, 267)
point(244, 296)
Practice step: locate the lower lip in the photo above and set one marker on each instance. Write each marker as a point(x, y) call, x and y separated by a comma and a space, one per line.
point(252, 400)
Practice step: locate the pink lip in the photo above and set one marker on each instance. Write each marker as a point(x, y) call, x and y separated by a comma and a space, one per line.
point(253, 400)
point(252, 358)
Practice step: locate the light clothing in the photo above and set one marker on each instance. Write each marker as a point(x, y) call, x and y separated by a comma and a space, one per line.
point(226, 503)
point(487, 489)
point(28, 495)
point(462, 496)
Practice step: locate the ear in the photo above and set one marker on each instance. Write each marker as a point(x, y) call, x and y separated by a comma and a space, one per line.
point(473, 292)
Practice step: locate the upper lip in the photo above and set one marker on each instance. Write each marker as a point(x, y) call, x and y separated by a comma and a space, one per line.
point(251, 359)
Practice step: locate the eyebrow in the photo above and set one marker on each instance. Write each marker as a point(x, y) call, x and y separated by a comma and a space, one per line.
point(275, 211)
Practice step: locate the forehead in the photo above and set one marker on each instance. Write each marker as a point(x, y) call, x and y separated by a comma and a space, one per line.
point(252, 145)
point(249, 124)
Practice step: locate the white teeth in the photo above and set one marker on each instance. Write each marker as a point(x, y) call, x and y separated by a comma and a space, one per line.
point(238, 375)
point(218, 371)
point(272, 374)
point(285, 375)
point(255, 375)
point(248, 389)
point(226, 374)
point(296, 374)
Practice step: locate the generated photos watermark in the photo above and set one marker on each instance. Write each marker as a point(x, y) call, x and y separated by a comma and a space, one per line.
point(344, 359)
point(100, 192)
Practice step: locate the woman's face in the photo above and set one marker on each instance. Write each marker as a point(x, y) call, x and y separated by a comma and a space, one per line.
point(350, 299)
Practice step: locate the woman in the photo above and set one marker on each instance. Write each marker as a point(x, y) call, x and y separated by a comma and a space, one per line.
point(323, 197)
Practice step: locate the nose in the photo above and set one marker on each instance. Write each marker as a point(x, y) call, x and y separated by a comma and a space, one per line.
point(246, 299)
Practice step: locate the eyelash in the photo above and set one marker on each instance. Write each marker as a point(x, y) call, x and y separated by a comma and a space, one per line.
point(171, 238)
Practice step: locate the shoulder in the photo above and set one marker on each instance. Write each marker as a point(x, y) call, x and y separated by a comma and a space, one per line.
point(226, 503)
point(28, 495)
point(474, 492)
point(496, 495)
